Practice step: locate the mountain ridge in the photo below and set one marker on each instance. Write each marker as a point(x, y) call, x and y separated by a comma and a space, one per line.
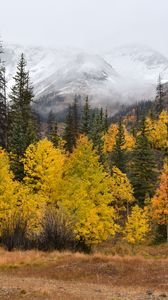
point(126, 74)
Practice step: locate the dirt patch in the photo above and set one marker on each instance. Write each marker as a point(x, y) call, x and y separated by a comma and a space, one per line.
point(67, 276)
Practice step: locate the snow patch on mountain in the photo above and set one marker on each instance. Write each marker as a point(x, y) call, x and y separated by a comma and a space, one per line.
point(125, 74)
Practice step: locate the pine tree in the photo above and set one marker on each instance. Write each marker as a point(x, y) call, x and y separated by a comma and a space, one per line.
point(68, 132)
point(118, 155)
point(72, 126)
point(75, 118)
point(22, 124)
point(143, 170)
point(106, 121)
point(159, 96)
point(97, 131)
point(85, 127)
point(3, 105)
point(50, 122)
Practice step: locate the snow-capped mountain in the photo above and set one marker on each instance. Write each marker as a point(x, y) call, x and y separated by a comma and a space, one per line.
point(139, 67)
point(124, 74)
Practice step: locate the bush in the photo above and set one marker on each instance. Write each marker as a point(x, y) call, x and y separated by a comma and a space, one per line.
point(57, 231)
point(14, 233)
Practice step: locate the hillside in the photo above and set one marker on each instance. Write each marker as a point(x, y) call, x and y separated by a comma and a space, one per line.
point(124, 75)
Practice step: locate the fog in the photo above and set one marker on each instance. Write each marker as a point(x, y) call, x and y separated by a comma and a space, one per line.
point(95, 25)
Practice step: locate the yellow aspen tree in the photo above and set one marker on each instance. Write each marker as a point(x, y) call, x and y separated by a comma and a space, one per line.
point(121, 190)
point(157, 131)
point(110, 139)
point(85, 195)
point(43, 167)
point(15, 198)
point(137, 226)
point(160, 200)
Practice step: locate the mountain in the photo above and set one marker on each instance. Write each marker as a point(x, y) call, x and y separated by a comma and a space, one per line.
point(139, 66)
point(125, 74)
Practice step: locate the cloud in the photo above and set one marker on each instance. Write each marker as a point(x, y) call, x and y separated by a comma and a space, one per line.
point(91, 24)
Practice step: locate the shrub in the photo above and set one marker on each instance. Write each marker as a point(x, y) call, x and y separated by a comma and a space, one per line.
point(14, 232)
point(57, 231)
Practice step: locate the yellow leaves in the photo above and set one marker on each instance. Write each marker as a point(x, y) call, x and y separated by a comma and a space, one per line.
point(129, 140)
point(8, 187)
point(96, 225)
point(121, 188)
point(157, 131)
point(110, 139)
point(85, 195)
point(160, 200)
point(43, 166)
point(137, 226)
point(16, 197)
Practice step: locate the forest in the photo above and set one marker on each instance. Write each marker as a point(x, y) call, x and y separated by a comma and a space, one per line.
point(91, 179)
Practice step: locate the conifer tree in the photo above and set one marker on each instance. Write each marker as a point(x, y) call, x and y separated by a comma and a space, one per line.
point(68, 132)
point(118, 156)
point(50, 122)
point(72, 126)
point(143, 170)
point(159, 96)
point(3, 104)
point(54, 136)
point(97, 131)
point(85, 127)
point(22, 124)
point(106, 121)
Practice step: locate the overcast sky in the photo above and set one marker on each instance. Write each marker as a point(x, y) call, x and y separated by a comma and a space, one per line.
point(90, 24)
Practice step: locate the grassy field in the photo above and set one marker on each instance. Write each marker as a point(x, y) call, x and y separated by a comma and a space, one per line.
point(37, 275)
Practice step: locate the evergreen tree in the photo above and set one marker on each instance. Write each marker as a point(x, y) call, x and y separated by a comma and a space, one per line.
point(159, 96)
point(118, 156)
point(68, 132)
point(3, 104)
point(85, 127)
point(143, 170)
point(50, 122)
point(22, 125)
point(106, 121)
point(54, 136)
point(72, 126)
point(97, 131)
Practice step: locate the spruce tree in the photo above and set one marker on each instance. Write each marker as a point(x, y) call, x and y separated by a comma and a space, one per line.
point(159, 96)
point(85, 126)
point(118, 156)
point(143, 169)
point(22, 127)
point(52, 130)
point(50, 122)
point(97, 131)
point(106, 121)
point(3, 104)
point(68, 132)
point(71, 131)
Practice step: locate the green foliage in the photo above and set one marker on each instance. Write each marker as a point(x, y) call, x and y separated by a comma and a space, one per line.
point(22, 129)
point(118, 155)
point(143, 169)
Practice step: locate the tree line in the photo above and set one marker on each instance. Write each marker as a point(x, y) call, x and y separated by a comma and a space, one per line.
point(93, 181)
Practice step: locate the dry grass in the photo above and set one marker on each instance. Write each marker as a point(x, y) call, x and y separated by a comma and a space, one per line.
point(66, 275)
